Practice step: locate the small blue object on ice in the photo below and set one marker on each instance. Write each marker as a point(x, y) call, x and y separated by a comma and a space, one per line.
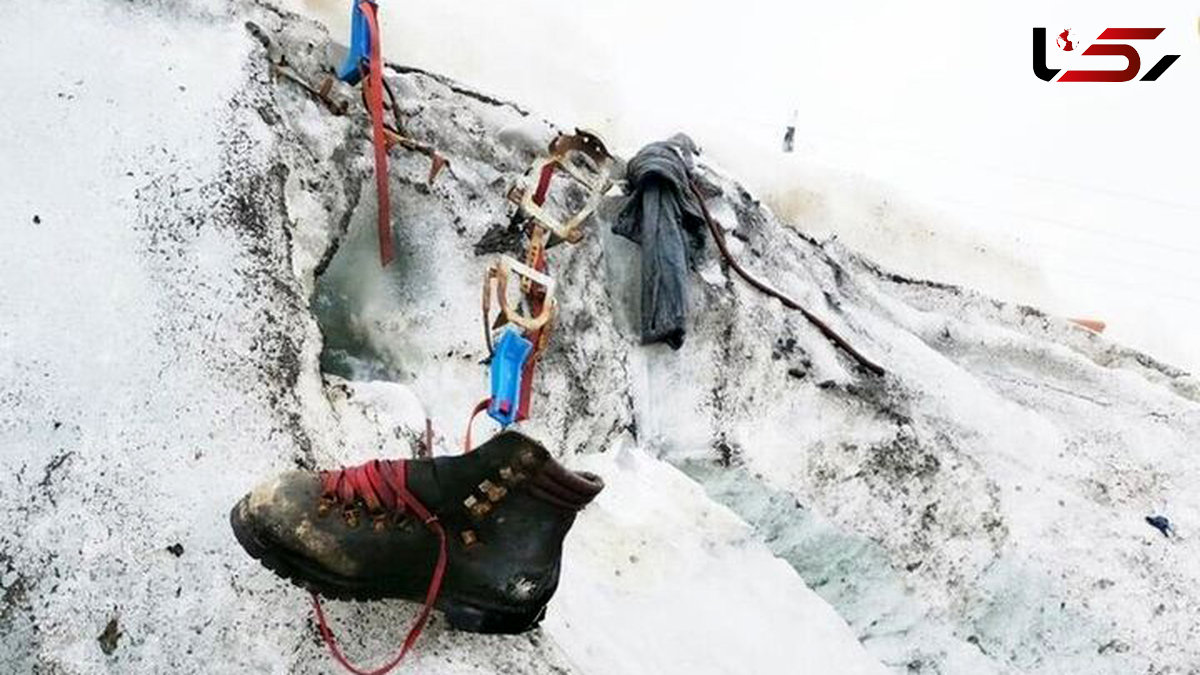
point(512, 350)
point(1161, 524)
point(360, 45)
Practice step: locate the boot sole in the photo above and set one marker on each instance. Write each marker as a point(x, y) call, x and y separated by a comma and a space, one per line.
point(304, 574)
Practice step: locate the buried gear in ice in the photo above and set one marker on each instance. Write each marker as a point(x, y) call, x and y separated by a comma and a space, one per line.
point(485, 529)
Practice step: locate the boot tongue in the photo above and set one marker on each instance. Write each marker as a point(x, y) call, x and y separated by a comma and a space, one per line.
point(503, 462)
point(564, 488)
point(549, 481)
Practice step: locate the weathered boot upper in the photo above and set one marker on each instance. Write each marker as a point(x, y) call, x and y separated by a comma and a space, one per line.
point(505, 507)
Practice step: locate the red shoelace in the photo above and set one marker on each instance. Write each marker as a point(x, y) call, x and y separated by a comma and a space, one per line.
point(382, 485)
point(373, 88)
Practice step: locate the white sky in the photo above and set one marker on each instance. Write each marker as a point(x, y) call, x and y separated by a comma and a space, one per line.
point(1092, 186)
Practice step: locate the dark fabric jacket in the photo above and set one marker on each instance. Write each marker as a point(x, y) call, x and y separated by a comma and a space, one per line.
point(662, 216)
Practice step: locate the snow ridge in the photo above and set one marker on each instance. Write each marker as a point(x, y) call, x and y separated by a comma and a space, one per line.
point(203, 307)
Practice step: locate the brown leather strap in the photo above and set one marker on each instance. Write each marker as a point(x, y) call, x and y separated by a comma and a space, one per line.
point(820, 325)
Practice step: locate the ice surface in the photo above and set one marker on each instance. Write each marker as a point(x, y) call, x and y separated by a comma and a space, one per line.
point(979, 510)
point(923, 138)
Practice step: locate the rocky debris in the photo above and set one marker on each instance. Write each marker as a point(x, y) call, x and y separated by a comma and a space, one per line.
point(1161, 524)
point(110, 637)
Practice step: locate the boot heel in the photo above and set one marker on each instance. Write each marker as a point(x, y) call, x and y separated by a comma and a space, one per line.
point(477, 620)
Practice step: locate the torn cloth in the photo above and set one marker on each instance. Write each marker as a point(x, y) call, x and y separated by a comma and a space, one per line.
point(663, 217)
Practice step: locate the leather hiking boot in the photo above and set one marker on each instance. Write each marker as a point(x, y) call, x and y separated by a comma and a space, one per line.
point(492, 520)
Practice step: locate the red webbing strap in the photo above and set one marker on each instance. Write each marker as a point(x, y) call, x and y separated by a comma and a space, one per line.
point(539, 195)
point(410, 501)
point(536, 301)
point(483, 405)
point(373, 88)
point(535, 305)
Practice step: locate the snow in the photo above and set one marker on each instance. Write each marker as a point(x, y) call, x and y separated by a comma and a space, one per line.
point(170, 344)
point(923, 138)
point(158, 359)
point(655, 597)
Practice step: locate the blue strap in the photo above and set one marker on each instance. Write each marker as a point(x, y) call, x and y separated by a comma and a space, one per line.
point(360, 45)
point(507, 364)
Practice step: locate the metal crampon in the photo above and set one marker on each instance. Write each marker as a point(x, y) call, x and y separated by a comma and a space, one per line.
point(582, 158)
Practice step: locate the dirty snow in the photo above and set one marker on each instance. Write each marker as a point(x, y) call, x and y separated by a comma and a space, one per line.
point(769, 509)
point(923, 138)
